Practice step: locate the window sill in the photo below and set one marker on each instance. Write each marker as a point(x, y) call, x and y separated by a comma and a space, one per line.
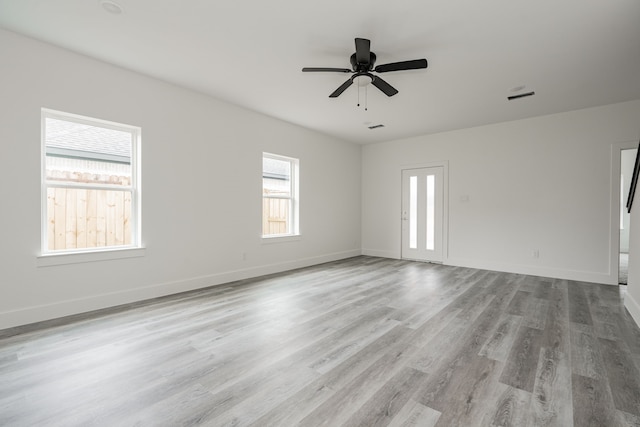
point(50, 259)
point(281, 239)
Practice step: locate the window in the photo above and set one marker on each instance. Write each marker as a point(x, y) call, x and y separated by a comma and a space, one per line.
point(90, 184)
point(279, 196)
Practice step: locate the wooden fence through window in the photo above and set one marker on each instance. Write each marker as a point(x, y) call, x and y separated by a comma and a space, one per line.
point(91, 218)
point(87, 218)
point(275, 216)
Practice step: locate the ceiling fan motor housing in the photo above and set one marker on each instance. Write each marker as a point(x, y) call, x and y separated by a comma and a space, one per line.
point(365, 66)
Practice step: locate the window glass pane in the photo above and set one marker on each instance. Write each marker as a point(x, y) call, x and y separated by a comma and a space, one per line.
point(276, 177)
point(83, 153)
point(87, 218)
point(413, 212)
point(431, 188)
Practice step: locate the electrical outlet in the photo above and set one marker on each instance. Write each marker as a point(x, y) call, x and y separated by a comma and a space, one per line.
point(536, 253)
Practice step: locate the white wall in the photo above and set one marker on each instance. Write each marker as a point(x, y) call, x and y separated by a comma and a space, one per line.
point(194, 232)
point(537, 184)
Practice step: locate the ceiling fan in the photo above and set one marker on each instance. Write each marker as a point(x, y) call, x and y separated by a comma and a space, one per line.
point(362, 63)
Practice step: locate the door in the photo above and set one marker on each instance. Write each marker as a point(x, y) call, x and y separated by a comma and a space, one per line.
point(627, 161)
point(422, 214)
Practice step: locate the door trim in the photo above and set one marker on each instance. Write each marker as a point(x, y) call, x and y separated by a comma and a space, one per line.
point(445, 201)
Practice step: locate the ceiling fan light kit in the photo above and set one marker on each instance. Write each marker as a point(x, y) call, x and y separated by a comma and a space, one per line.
point(362, 64)
point(363, 79)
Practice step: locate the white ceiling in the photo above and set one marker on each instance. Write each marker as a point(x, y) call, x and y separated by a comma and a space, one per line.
point(572, 53)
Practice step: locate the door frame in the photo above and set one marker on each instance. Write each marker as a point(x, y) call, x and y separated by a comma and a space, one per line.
point(445, 202)
point(614, 226)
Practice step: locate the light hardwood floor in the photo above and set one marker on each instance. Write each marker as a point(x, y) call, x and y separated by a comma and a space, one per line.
point(364, 341)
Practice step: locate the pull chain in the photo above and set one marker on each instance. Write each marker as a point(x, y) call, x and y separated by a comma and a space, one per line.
point(365, 97)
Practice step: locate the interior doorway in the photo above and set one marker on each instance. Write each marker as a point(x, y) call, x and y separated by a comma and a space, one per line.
point(627, 160)
point(423, 214)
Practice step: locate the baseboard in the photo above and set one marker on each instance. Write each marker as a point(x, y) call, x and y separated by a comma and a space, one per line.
point(28, 315)
point(580, 276)
point(381, 254)
point(633, 307)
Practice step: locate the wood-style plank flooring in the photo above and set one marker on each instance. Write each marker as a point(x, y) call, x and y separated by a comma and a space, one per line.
point(359, 342)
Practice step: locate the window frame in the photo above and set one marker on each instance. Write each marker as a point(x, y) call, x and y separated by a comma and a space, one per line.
point(293, 231)
point(66, 256)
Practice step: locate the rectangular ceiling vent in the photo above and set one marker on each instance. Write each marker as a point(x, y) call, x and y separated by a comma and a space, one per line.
point(376, 126)
point(522, 95)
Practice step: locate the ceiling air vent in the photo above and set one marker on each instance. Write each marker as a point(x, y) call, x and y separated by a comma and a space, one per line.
point(376, 126)
point(522, 95)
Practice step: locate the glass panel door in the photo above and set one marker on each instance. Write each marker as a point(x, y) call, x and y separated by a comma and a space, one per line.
point(422, 213)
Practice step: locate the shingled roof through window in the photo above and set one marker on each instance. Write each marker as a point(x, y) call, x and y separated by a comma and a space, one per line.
point(66, 135)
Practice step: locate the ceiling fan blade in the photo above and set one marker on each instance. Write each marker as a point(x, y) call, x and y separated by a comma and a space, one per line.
point(402, 65)
point(331, 70)
point(363, 51)
point(336, 93)
point(384, 86)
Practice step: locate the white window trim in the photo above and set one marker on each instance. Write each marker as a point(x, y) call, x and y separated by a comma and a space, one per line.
point(281, 238)
point(105, 254)
point(47, 257)
point(294, 227)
